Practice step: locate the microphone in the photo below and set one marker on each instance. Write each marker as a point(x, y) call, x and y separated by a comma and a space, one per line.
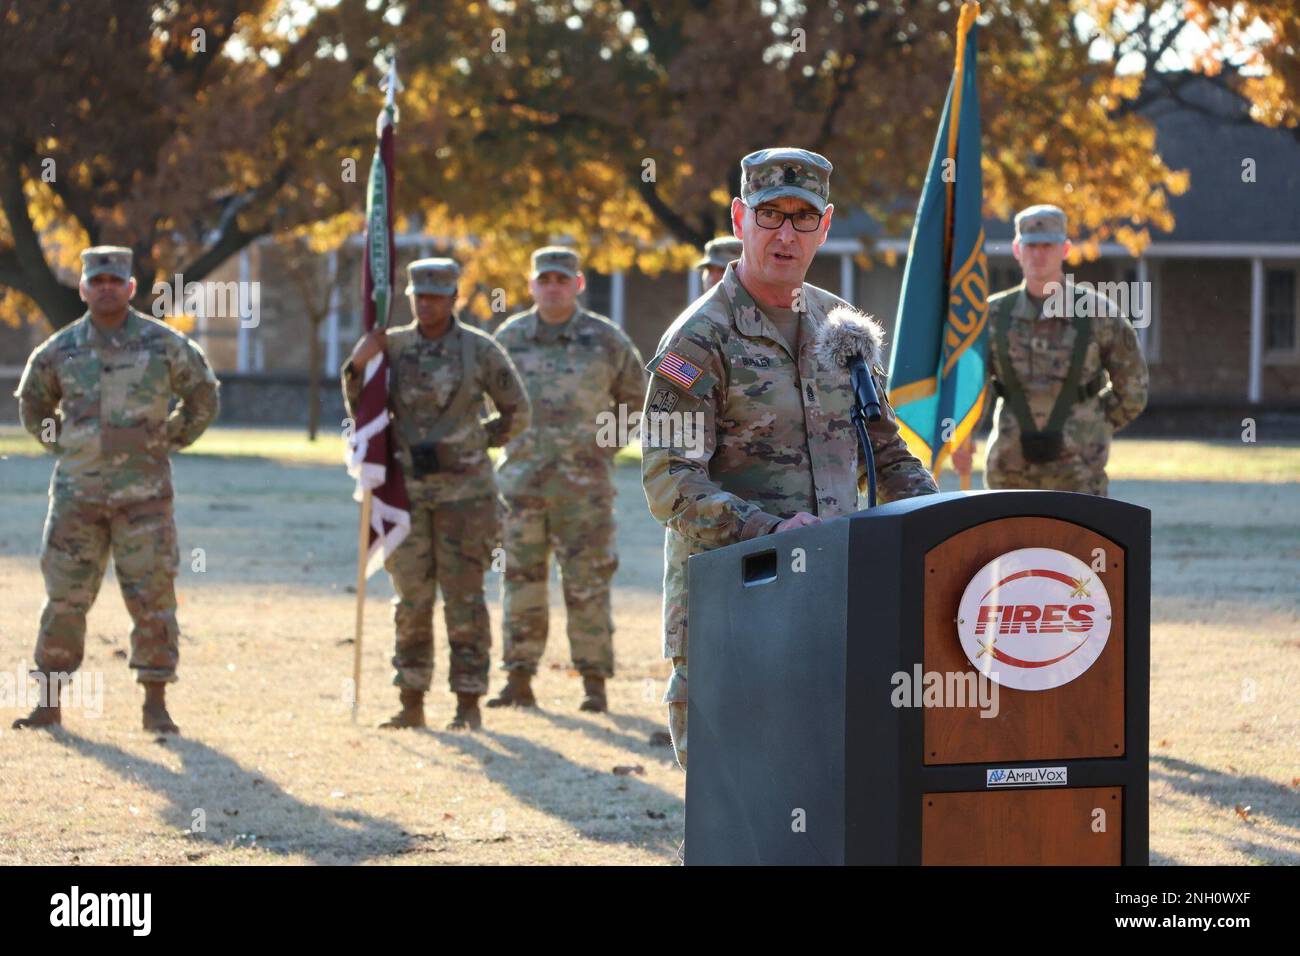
point(853, 340)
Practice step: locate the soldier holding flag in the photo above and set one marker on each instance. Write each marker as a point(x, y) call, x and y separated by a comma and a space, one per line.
point(441, 370)
point(429, 509)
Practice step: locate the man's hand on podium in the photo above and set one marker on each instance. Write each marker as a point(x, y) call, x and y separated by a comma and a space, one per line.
point(800, 520)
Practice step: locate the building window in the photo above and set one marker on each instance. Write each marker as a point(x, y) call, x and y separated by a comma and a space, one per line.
point(1280, 311)
point(597, 294)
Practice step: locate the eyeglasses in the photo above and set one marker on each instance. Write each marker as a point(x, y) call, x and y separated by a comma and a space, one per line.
point(803, 220)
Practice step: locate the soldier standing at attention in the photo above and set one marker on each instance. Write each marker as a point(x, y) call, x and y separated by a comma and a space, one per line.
point(558, 480)
point(97, 394)
point(441, 369)
point(1066, 366)
point(779, 450)
point(717, 253)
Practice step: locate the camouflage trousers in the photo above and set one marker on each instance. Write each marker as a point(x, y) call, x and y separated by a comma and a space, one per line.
point(449, 547)
point(1049, 477)
point(579, 530)
point(78, 538)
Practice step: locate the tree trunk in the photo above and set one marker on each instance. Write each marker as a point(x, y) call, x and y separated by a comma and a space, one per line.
point(313, 380)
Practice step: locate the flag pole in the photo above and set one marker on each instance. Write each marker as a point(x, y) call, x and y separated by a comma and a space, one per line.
point(363, 548)
point(965, 17)
point(363, 533)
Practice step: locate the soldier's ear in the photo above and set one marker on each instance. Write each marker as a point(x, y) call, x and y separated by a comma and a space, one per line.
point(82, 289)
point(130, 288)
point(826, 224)
point(738, 217)
point(1066, 247)
point(582, 281)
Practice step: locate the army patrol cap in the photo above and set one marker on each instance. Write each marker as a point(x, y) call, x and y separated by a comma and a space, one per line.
point(110, 260)
point(718, 252)
point(785, 171)
point(1040, 224)
point(432, 277)
point(555, 259)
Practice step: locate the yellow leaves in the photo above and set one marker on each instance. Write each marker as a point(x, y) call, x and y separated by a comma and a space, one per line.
point(16, 310)
point(1134, 240)
point(1126, 86)
point(329, 234)
point(1270, 104)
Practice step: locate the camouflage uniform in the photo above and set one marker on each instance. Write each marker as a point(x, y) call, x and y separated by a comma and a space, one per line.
point(558, 483)
point(718, 252)
point(108, 396)
point(455, 512)
point(777, 438)
point(1113, 381)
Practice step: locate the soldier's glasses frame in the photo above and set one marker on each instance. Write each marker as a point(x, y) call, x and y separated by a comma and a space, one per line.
point(803, 221)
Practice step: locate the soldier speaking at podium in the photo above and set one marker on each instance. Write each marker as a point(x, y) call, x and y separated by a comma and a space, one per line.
point(747, 425)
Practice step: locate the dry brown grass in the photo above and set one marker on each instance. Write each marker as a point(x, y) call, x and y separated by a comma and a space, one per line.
point(283, 776)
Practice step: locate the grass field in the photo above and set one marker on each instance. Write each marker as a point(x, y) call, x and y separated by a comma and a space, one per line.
point(274, 770)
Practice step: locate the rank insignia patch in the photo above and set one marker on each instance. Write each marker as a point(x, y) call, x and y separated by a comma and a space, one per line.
point(663, 401)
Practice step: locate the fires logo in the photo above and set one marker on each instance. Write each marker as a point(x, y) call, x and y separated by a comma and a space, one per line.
point(1034, 619)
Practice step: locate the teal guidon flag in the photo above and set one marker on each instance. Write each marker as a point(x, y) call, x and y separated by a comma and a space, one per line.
point(937, 366)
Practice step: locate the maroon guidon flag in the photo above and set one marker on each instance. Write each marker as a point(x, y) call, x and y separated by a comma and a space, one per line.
point(370, 456)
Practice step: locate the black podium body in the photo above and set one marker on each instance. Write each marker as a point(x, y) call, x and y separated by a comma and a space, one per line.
point(799, 753)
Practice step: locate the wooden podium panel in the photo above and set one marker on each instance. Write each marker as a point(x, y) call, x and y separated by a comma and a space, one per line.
point(1022, 827)
point(1083, 718)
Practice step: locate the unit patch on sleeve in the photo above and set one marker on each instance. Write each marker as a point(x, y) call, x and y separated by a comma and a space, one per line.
point(663, 401)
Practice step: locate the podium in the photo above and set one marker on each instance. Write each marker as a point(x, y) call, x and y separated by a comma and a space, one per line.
point(954, 679)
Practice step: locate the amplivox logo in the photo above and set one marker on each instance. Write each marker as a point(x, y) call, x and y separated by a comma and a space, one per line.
point(1026, 777)
point(102, 909)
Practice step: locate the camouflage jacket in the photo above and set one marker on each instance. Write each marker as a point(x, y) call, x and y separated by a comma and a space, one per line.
point(424, 379)
point(1039, 347)
point(108, 399)
point(775, 435)
point(578, 375)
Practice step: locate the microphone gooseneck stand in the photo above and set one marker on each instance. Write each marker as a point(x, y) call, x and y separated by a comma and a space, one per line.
point(866, 408)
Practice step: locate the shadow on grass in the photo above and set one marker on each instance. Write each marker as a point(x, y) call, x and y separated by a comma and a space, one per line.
point(602, 807)
point(261, 812)
point(633, 733)
point(1269, 801)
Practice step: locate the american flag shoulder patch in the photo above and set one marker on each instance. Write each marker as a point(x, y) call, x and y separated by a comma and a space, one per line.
point(681, 371)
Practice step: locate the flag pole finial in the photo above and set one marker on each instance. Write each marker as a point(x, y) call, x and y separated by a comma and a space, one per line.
point(390, 84)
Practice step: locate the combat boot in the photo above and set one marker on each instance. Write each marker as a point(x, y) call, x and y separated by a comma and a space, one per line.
point(46, 713)
point(593, 690)
point(467, 713)
point(412, 712)
point(155, 717)
point(518, 691)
